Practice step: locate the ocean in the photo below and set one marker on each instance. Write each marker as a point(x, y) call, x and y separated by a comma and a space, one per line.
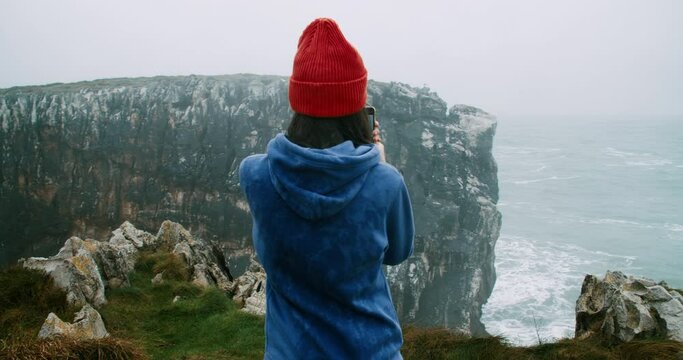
point(581, 195)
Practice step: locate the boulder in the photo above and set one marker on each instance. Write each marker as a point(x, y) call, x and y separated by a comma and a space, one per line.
point(623, 308)
point(204, 259)
point(158, 278)
point(139, 238)
point(74, 270)
point(117, 256)
point(115, 260)
point(170, 234)
point(249, 290)
point(87, 324)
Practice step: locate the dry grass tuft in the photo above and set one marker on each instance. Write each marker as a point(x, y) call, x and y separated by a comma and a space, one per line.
point(65, 348)
point(172, 265)
point(432, 343)
point(660, 350)
point(436, 344)
point(26, 297)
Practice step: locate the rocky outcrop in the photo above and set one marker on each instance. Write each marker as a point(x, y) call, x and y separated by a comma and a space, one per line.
point(87, 324)
point(624, 308)
point(84, 157)
point(74, 270)
point(116, 258)
point(205, 260)
point(249, 290)
point(83, 267)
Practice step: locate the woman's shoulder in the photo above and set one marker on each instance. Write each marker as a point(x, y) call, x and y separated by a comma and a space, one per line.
point(386, 173)
point(250, 166)
point(386, 169)
point(251, 160)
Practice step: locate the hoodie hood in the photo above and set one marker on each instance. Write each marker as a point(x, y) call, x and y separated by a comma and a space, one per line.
point(318, 183)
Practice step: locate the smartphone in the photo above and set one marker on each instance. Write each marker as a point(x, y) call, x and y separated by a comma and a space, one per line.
point(370, 110)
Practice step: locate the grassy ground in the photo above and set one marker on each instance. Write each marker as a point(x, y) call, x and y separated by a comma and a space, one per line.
point(204, 324)
point(26, 297)
point(440, 344)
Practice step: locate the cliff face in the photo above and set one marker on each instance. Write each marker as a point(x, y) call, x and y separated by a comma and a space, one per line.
point(79, 159)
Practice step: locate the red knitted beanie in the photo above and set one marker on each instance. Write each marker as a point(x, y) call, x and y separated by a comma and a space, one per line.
point(328, 78)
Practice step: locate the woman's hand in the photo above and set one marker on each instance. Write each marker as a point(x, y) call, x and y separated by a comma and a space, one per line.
point(378, 141)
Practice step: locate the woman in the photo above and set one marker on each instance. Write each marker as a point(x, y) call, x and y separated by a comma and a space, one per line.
point(327, 213)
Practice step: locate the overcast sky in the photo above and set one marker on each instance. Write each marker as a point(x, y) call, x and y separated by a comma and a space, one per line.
point(508, 57)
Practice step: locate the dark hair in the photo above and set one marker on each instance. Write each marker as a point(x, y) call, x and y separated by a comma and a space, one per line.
point(321, 133)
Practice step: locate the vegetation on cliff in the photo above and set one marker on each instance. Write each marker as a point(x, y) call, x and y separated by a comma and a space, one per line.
point(145, 323)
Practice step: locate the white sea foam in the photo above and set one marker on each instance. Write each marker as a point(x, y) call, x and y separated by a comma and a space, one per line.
point(522, 182)
point(541, 282)
point(612, 221)
point(622, 154)
point(625, 257)
point(524, 150)
point(654, 162)
point(635, 159)
point(607, 221)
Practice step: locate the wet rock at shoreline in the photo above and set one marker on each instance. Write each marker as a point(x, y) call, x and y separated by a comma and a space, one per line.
point(624, 308)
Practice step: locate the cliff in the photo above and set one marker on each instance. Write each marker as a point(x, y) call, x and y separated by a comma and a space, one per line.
point(79, 159)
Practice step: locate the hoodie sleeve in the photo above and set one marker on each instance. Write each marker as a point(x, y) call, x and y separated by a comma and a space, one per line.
point(400, 228)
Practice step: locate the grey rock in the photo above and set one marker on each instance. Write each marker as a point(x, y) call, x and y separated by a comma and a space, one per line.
point(83, 267)
point(615, 278)
point(657, 293)
point(249, 290)
point(116, 258)
point(53, 326)
point(176, 299)
point(158, 279)
point(205, 260)
point(625, 308)
point(201, 276)
point(75, 271)
point(115, 283)
point(672, 313)
point(256, 303)
point(139, 238)
point(87, 324)
point(677, 295)
point(172, 234)
point(644, 281)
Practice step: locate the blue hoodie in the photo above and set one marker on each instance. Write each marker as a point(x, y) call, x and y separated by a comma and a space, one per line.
point(324, 222)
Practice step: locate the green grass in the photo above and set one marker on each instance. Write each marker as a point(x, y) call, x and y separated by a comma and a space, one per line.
point(205, 324)
point(26, 297)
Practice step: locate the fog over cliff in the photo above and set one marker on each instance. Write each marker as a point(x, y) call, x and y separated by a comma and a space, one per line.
point(81, 158)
